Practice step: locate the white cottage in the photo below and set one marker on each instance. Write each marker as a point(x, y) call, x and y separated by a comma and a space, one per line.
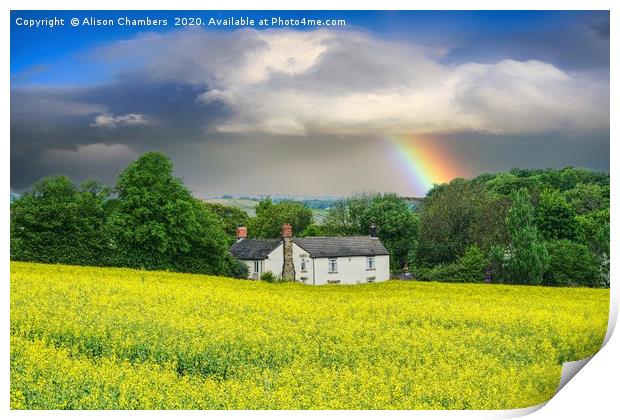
point(315, 260)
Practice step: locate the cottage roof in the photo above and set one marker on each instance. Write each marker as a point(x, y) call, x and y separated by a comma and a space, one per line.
point(316, 247)
point(341, 246)
point(254, 249)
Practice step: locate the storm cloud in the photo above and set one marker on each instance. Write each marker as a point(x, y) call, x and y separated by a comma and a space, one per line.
point(350, 82)
point(236, 110)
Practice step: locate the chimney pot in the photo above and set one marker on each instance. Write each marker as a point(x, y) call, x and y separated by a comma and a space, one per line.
point(373, 231)
point(287, 230)
point(242, 232)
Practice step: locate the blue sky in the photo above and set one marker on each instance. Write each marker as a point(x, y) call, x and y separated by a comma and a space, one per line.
point(87, 100)
point(66, 46)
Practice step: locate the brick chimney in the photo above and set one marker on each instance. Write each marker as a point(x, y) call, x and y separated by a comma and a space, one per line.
point(287, 230)
point(288, 268)
point(242, 232)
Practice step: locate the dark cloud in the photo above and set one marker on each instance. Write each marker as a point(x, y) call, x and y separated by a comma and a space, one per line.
point(579, 44)
point(601, 28)
point(306, 113)
point(61, 119)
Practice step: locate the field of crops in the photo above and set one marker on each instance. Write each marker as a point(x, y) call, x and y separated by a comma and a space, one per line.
point(125, 339)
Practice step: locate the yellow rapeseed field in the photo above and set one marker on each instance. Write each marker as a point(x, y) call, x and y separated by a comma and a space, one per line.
point(104, 338)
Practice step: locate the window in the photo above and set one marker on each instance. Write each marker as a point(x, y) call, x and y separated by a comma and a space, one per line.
point(371, 279)
point(303, 266)
point(256, 266)
point(333, 265)
point(370, 263)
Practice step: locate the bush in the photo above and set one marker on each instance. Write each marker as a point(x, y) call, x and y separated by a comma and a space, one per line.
point(471, 266)
point(467, 269)
point(572, 264)
point(269, 277)
point(57, 222)
point(441, 272)
point(238, 269)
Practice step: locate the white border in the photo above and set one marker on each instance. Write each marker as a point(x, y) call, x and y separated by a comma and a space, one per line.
point(592, 394)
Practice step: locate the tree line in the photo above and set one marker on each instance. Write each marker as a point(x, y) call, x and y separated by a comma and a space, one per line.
point(148, 220)
point(547, 226)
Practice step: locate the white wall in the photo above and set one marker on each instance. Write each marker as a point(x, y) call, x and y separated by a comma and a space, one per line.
point(299, 254)
point(275, 261)
point(351, 270)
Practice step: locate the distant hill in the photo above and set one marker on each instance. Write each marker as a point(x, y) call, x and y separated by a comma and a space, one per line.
point(249, 206)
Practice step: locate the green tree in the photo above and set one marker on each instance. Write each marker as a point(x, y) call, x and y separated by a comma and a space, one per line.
point(338, 220)
point(471, 266)
point(457, 215)
point(231, 218)
point(571, 264)
point(587, 198)
point(312, 230)
point(507, 184)
point(59, 223)
point(397, 224)
point(526, 258)
point(157, 224)
point(555, 217)
point(592, 229)
point(397, 227)
point(270, 217)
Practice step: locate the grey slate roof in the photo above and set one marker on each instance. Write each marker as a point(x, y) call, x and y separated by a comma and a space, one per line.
point(341, 246)
point(316, 247)
point(254, 249)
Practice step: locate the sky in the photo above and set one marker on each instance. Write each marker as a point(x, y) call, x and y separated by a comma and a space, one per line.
point(389, 102)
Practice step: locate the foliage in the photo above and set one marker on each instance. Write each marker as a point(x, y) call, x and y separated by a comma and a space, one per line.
point(151, 221)
point(312, 230)
point(456, 216)
point(339, 221)
point(397, 224)
point(59, 223)
point(472, 265)
point(525, 260)
point(158, 225)
point(270, 217)
point(470, 268)
point(556, 218)
point(571, 264)
point(441, 272)
point(269, 277)
point(230, 217)
point(592, 229)
point(156, 340)
point(587, 198)
point(238, 269)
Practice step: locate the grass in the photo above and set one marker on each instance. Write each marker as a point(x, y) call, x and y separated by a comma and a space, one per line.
point(105, 338)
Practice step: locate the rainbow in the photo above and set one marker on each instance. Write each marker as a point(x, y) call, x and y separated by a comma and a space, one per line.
point(424, 159)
